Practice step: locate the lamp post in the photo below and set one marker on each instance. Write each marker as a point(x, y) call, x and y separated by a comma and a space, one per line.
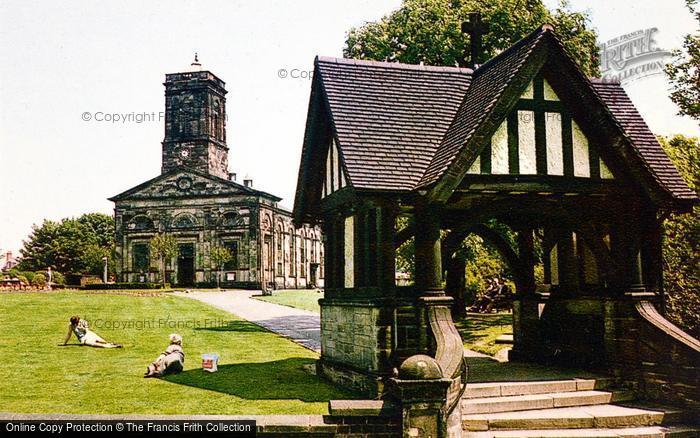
point(104, 276)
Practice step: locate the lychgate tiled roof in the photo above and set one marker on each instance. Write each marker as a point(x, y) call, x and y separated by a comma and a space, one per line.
point(401, 127)
point(389, 117)
point(645, 143)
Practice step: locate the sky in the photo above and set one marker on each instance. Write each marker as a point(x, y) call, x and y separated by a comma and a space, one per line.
point(63, 62)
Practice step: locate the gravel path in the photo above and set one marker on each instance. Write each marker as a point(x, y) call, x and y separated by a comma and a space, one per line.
point(301, 326)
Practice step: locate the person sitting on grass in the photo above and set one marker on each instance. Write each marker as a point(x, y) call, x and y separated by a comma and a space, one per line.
point(171, 361)
point(79, 327)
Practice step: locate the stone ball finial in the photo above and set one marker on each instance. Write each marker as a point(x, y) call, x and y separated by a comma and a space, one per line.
point(420, 367)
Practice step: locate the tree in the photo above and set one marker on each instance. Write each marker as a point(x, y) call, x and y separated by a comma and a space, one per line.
point(62, 244)
point(163, 247)
point(93, 259)
point(681, 246)
point(429, 31)
point(684, 71)
point(101, 225)
point(219, 257)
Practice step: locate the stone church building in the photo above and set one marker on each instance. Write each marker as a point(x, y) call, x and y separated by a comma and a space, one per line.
point(198, 201)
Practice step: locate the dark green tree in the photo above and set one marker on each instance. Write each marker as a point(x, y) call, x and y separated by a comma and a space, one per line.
point(684, 71)
point(429, 31)
point(682, 241)
point(101, 225)
point(62, 245)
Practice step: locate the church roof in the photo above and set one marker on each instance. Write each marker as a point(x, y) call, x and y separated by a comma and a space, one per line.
point(202, 184)
point(402, 127)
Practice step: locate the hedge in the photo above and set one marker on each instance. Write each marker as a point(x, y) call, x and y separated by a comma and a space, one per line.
point(111, 286)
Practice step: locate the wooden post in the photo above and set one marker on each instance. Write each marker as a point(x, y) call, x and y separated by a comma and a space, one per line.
point(568, 264)
point(526, 252)
point(625, 256)
point(455, 283)
point(428, 254)
point(387, 252)
point(652, 258)
point(328, 251)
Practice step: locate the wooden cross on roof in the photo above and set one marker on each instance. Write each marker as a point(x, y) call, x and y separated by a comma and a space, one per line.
point(475, 28)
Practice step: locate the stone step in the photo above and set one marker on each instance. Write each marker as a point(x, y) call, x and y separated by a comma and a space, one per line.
point(580, 417)
point(503, 389)
point(629, 432)
point(487, 405)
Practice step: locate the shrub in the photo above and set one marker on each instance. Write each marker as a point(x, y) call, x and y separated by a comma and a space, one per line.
point(39, 280)
point(57, 278)
point(29, 275)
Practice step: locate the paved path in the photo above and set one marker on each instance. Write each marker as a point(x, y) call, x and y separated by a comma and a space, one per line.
point(301, 326)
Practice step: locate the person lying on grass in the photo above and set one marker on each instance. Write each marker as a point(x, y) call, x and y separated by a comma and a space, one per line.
point(79, 327)
point(171, 361)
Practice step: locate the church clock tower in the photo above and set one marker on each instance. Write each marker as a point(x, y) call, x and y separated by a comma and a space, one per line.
point(195, 122)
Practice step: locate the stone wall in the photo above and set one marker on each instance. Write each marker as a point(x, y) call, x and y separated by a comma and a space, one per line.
point(349, 335)
point(407, 332)
point(645, 348)
point(355, 344)
point(363, 340)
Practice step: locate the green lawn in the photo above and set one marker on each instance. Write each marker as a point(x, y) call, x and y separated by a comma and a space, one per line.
point(479, 331)
point(306, 299)
point(259, 372)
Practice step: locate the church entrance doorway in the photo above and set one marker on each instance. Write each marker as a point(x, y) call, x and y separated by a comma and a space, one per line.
point(185, 264)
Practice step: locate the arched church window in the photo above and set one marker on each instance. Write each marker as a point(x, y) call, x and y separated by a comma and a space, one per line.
point(185, 110)
point(216, 122)
point(302, 255)
point(312, 243)
point(266, 223)
point(184, 221)
point(292, 253)
point(279, 238)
